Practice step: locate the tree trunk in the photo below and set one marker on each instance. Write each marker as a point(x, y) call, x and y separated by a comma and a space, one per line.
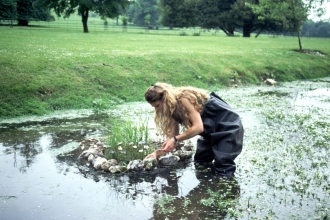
point(22, 22)
point(84, 18)
point(247, 27)
point(229, 33)
point(259, 32)
point(299, 41)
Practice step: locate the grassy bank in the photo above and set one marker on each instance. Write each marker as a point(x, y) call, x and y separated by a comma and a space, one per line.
point(44, 70)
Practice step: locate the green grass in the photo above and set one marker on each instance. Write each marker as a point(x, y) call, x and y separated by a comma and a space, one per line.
point(43, 70)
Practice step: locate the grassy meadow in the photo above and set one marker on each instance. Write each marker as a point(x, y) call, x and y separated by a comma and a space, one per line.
point(48, 69)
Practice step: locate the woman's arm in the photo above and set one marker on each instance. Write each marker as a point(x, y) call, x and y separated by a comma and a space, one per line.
point(170, 143)
point(175, 128)
point(195, 119)
point(195, 129)
point(175, 131)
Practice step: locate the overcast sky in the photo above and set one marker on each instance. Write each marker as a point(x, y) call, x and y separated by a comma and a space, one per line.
point(326, 16)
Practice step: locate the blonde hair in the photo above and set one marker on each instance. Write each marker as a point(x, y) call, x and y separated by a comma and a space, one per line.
point(172, 106)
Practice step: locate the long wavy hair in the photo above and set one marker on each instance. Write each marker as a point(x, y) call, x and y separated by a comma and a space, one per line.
point(171, 106)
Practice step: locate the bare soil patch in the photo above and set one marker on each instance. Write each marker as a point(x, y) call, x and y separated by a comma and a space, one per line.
point(314, 52)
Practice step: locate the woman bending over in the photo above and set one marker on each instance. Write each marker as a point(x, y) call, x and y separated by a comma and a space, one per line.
point(200, 113)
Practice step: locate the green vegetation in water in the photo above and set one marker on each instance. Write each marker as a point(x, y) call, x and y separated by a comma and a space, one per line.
point(5, 198)
point(163, 204)
point(43, 71)
point(287, 156)
point(128, 141)
point(223, 201)
point(101, 105)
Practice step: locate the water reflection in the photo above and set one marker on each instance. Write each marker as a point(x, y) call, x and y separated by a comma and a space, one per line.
point(44, 150)
point(26, 151)
point(184, 185)
point(209, 188)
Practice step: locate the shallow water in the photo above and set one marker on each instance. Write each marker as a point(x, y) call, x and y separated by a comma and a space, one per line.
point(283, 171)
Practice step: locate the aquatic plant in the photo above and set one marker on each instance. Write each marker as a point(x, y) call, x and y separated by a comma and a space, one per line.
point(288, 154)
point(128, 141)
point(186, 202)
point(223, 201)
point(99, 105)
point(163, 204)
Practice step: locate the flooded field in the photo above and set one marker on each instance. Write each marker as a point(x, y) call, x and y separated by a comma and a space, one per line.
point(282, 173)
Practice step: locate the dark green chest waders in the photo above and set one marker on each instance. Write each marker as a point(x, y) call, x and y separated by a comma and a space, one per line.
point(222, 138)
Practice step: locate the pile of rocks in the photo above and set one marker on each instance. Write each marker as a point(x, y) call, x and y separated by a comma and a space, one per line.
point(93, 155)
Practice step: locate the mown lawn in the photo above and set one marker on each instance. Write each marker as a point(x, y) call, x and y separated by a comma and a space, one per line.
point(47, 69)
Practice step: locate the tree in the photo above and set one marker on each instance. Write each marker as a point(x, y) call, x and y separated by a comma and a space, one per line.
point(322, 29)
point(41, 12)
point(217, 14)
point(243, 16)
point(179, 13)
point(147, 20)
point(124, 20)
point(316, 29)
point(248, 19)
point(138, 11)
point(24, 10)
point(308, 28)
point(31, 10)
point(8, 9)
point(105, 8)
point(291, 13)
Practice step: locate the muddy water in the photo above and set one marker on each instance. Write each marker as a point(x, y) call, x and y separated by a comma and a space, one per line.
point(283, 171)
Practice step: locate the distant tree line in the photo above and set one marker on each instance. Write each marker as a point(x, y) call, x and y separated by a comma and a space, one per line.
point(316, 29)
point(248, 16)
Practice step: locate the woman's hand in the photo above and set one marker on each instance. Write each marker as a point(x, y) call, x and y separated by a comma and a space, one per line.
point(155, 154)
point(168, 145)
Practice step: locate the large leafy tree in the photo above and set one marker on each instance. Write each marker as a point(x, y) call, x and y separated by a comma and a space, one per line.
point(179, 13)
point(290, 13)
point(8, 9)
point(217, 14)
point(242, 16)
point(41, 12)
point(24, 11)
point(246, 19)
point(105, 8)
point(31, 10)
